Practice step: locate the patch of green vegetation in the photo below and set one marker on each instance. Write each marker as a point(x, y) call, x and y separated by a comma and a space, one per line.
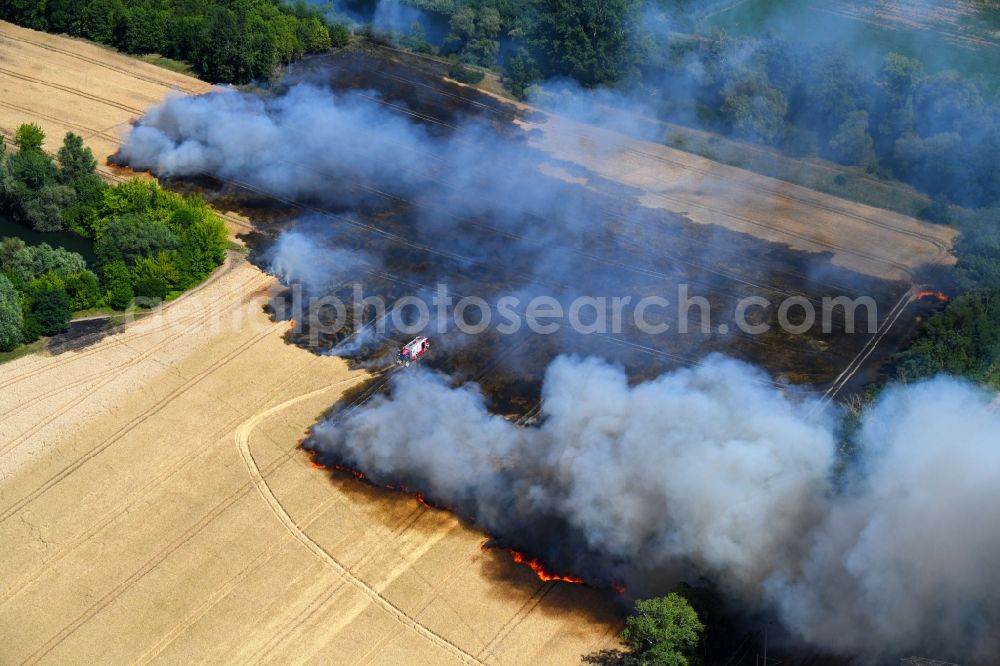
point(851, 183)
point(465, 74)
point(178, 66)
point(663, 630)
point(36, 347)
point(149, 244)
point(94, 312)
point(228, 42)
point(236, 247)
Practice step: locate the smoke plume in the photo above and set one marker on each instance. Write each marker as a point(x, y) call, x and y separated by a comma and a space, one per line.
point(300, 143)
point(296, 258)
point(905, 555)
point(311, 143)
point(709, 471)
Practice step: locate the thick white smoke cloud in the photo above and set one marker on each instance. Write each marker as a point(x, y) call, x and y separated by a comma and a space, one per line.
point(310, 143)
point(297, 258)
point(907, 553)
point(300, 143)
point(710, 471)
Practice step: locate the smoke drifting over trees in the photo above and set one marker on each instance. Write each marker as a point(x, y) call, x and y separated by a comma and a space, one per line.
point(316, 145)
point(293, 145)
point(708, 471)
point(794, 75)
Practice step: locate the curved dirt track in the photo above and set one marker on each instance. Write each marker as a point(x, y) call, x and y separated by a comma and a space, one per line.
point(170, 507)
point(243, 442)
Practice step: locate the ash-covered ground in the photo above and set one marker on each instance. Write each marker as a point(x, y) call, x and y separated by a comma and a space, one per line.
point(448, 222)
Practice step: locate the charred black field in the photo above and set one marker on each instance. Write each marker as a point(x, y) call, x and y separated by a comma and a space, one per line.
point(596, 241)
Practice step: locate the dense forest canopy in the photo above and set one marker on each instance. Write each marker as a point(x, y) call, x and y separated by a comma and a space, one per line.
point(230, 41)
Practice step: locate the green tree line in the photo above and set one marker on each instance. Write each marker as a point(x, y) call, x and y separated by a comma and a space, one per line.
point(230, 41)
point(964, 338)
point(937, 131)
point(149, 243)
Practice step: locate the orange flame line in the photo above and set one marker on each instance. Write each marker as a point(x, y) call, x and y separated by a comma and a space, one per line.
point(535, 565)
point(939, 295)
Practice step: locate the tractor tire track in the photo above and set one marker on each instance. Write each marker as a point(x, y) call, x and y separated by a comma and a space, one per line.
point(134, 423)
point(529, 605)
point(94, 61)
point(186, 536)
point(111, 375)
point(126, 505)
point(223, 592)
point(259, 481)
point(73, 91)
point(303, 618)
point(33, 113)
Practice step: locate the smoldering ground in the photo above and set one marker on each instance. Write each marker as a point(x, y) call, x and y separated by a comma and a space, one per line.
point(741, 478)
point(464, 200)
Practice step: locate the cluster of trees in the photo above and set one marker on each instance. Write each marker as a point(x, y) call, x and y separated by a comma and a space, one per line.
point(48, 194)
point(663, 631)
point(40, 286)
point(938, 132)
point(964, 339)
point(231, 41)
point(149, 243)
point(589, 40)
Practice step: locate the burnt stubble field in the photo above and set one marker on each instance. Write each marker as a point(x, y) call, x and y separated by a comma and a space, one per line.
point(430, 231)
